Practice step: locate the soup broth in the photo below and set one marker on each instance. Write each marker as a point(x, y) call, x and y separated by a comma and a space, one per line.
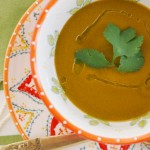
point(104, 93)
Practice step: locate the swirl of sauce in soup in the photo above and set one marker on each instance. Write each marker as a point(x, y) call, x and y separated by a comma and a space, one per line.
point(104, 93)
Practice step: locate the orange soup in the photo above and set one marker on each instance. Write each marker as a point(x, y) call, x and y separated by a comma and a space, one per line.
point(104, 93)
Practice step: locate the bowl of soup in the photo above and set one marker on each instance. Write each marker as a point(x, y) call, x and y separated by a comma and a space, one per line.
point(90, 62)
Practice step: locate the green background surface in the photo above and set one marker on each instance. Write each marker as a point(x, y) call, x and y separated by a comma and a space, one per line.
point(10, 14)
point(4, 140)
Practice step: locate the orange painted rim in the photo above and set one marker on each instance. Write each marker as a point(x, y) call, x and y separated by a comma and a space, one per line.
point(49, 105)
point(6, 66)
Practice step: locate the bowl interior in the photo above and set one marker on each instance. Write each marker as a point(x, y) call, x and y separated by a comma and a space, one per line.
point(46, 42)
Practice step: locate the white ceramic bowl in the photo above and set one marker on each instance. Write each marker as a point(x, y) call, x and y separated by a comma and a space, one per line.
point(45, 37)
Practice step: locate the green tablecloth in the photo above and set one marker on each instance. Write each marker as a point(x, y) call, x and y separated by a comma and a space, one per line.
point(10, 13)
point(4, 140)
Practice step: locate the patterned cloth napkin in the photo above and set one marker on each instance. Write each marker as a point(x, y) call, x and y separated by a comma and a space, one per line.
point(10, 13)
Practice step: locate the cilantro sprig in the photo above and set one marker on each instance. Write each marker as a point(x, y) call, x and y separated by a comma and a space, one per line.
point(126, 45)
point(92, 58)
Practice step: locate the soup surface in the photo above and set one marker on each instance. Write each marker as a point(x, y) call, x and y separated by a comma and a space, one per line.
point(104, 93)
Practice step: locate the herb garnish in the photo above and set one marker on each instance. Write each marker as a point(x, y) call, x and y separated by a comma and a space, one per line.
point(126, 45)
point(92, 58)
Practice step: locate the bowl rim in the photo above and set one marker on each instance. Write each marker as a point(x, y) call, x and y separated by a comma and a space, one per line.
point(48, 103)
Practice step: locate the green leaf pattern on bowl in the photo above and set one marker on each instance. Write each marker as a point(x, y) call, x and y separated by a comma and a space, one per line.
point(80, 4)
point(94, 122)
point(134, 122)
point(141, 122)
point(52, 40)
point(57, 89)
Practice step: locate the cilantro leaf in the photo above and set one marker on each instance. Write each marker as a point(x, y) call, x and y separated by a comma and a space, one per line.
point(92, 58)
point(126, 46)
point(128, 34)
point(125, 43)
point(131, 64)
